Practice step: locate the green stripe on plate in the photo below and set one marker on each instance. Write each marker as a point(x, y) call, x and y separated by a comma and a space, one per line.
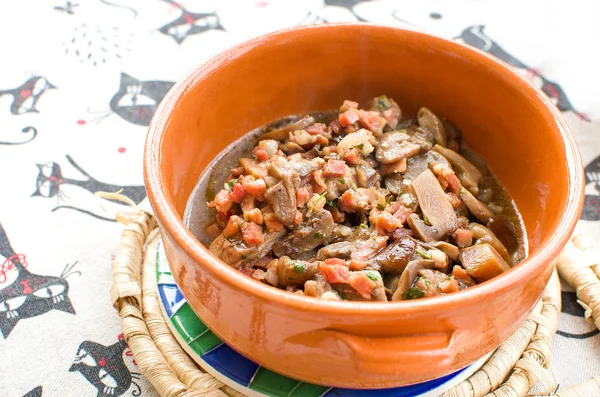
point(272, 384)
point(193, 331)
point(162, 266)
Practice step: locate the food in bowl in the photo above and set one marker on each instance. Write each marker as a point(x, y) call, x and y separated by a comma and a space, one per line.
point(362, 205)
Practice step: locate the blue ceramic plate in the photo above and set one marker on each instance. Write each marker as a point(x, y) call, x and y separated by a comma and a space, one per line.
point(247, 377)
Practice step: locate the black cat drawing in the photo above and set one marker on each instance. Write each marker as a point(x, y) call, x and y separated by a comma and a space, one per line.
point(315, 17)
point(30, 131)
point(28, 295)
point(189, 23)
point(476, 37)
point(27, 95)
point(137, 100)
point(50, 180)
point(36, 392)
point(591, 205)
point(104, 367)
point(571, 307)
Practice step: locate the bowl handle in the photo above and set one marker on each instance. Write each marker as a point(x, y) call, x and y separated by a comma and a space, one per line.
point(375, 354)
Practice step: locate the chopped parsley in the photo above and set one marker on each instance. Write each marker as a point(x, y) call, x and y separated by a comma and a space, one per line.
point(244, 256)
point(425, 280)
point(425, 220)
point(331, 203)
point(372, 276)
point(381, 102)
point(424, 254)
point(380, 206)
point(319, 235)
point(299, 267)
point(231, 183)
point(389, 199)
point(343, 181)
point(463, 191)
point(363, 226)
point(414, 293)
point(254, 156)
point(361, 146)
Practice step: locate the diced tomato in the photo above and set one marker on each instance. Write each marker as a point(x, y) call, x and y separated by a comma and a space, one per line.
point(335, 261)
point(273, 225)
point(384, 221)
point(362, 284)
point(351, 156)
point(260, 154)
point(348, 118)
point(453, 199)
point(319, 185)
point(391, 115)
point(350, 104)
point(393, 168)
point(335, 168)
point(233, 226)
point(223, 218)
point(356, 265)
point(298, 217)
point(463, 237)
point(347, 201)
point(254, 188)
point(238, 193)
point(448, 286)
point(302, 196)
point(338, 216)
point(335, 127)
point(453, 183)
point(254, 215)
point(334, 274)
point(321, 140)
point(402, 214)
point(222, 201)
point(252, 233)
point(372, 121)
point(316, 129)
point(213, 230)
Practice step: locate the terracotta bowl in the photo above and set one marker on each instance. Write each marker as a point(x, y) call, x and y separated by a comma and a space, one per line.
point(520, 133)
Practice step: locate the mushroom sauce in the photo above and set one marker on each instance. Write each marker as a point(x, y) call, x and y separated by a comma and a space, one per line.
point(357, 204)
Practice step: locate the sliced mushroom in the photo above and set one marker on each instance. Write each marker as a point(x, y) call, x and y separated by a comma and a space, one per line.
point(295, 272)
point(341, 250)
point(394, 146)
point(309, 235)
point(466, 172)
point(429, 120)
point(282, 134)
point(394, 183)
point(449, 249)
point(476, 207)
point(409, 274)
point(434, 204)
point(291, 148)
point(366, 175)
point(483, 235)
point(394, 258)
point(421, 230)
point(231, 252)
point(303, 167)
point(417, 164)
point(453, 135)
point(482, 262)
point(253, 168)
point(505, 231)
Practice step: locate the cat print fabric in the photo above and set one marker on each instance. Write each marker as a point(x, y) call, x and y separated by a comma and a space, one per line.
point(104, 368)
point(24, 294)
point(50, 181)
point(137, 100)
point(80, 83)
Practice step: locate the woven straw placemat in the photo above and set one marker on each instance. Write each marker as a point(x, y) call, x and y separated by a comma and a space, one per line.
point(518, 365)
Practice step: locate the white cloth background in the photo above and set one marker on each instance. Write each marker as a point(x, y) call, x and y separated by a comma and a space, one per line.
point(86, 49)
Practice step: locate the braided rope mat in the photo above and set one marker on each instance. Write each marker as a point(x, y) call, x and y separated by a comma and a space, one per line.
point(518, 365)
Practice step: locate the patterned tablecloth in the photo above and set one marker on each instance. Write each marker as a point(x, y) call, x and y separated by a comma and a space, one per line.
point(79, 82)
